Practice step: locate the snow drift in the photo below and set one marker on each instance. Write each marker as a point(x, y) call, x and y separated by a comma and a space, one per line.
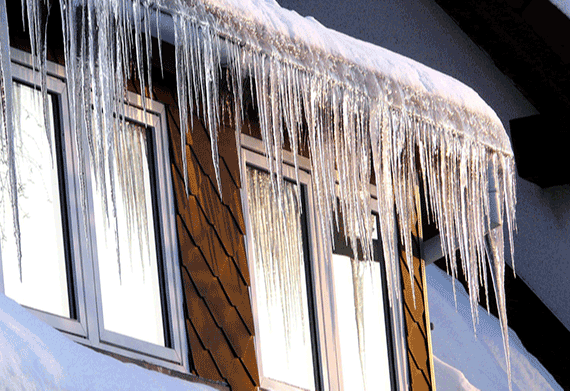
point(466, 362)
point(34, 356)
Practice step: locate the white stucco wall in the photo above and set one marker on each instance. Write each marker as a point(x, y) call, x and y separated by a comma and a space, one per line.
point(421, 30)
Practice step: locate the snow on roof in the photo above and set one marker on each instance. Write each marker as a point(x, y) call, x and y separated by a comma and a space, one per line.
point(34, 356)
point(404, 82)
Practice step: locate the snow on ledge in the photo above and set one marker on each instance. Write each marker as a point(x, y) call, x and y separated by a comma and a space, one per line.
point(34, 356)
point(450, 378)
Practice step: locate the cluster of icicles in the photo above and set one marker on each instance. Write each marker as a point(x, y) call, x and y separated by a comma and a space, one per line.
point(348, 116)
point(279, 262)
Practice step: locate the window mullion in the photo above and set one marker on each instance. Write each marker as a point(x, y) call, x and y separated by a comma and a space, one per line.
point(86, 236)
point(323, 293)
point(72, 203)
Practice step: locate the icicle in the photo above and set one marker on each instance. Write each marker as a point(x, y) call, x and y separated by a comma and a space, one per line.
point(184, 90)
point(495, 243)
point(158, 38)
point(279, 267)
point(38, 13)
point(358, 286)
point(237, 75)
point(98, 38)
point(345, 112)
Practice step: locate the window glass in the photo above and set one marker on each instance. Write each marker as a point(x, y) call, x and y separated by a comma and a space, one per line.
point(43, 284)
point(280, 282)
point(127, 254)
point(361, 324)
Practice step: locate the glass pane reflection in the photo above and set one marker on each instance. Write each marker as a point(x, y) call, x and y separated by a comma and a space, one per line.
point(129, 280)
point(44, 284)
point(281, 291)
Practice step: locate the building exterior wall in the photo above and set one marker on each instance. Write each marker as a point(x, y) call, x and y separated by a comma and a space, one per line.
point(215, 272)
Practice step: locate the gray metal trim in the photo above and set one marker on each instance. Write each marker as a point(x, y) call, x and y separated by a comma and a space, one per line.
point(26, 59)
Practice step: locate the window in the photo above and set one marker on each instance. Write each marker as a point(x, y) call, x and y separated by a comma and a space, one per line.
point(283, 285)
point(332, 318)
point(363, 319)
point(43, 264)
point(107, 279)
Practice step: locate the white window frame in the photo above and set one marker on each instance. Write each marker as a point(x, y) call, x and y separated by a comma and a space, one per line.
point(88, 328)
point(254, 159)
point(23, 73)
point(323, 279)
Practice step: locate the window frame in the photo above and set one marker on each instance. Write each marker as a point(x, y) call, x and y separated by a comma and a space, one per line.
point(252, 154)
point(22, 72)
point(388, 314)
point(88, 328)
point(252, 158)
point(155, 118)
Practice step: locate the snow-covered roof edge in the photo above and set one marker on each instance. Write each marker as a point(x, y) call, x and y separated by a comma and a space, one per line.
point(379, 73)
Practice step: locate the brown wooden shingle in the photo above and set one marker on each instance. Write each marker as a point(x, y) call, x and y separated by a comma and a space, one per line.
point(202, 359)
point(212, 337)
point(416, 308)
point(419, 382)
point(249, 359)
point(232, 196)
point(202, 275)
point(238, 293)
point(227, 148)
point(199, 141)
point(416, 342)
point(417, 318)
point(219, 318)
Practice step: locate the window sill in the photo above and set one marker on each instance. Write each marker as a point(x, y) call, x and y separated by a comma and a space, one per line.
point(166, 371)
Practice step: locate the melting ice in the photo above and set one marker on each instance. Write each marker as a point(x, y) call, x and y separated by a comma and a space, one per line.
point(350, 101)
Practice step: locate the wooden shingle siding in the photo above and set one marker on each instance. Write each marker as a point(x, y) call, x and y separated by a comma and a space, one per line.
point(215, 276)
point(417, 319)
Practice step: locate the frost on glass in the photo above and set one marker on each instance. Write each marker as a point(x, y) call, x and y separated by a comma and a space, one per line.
point(131, 300)
point(352, 103)
point(361, 324)
point(43, 282)
point(279, 272)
